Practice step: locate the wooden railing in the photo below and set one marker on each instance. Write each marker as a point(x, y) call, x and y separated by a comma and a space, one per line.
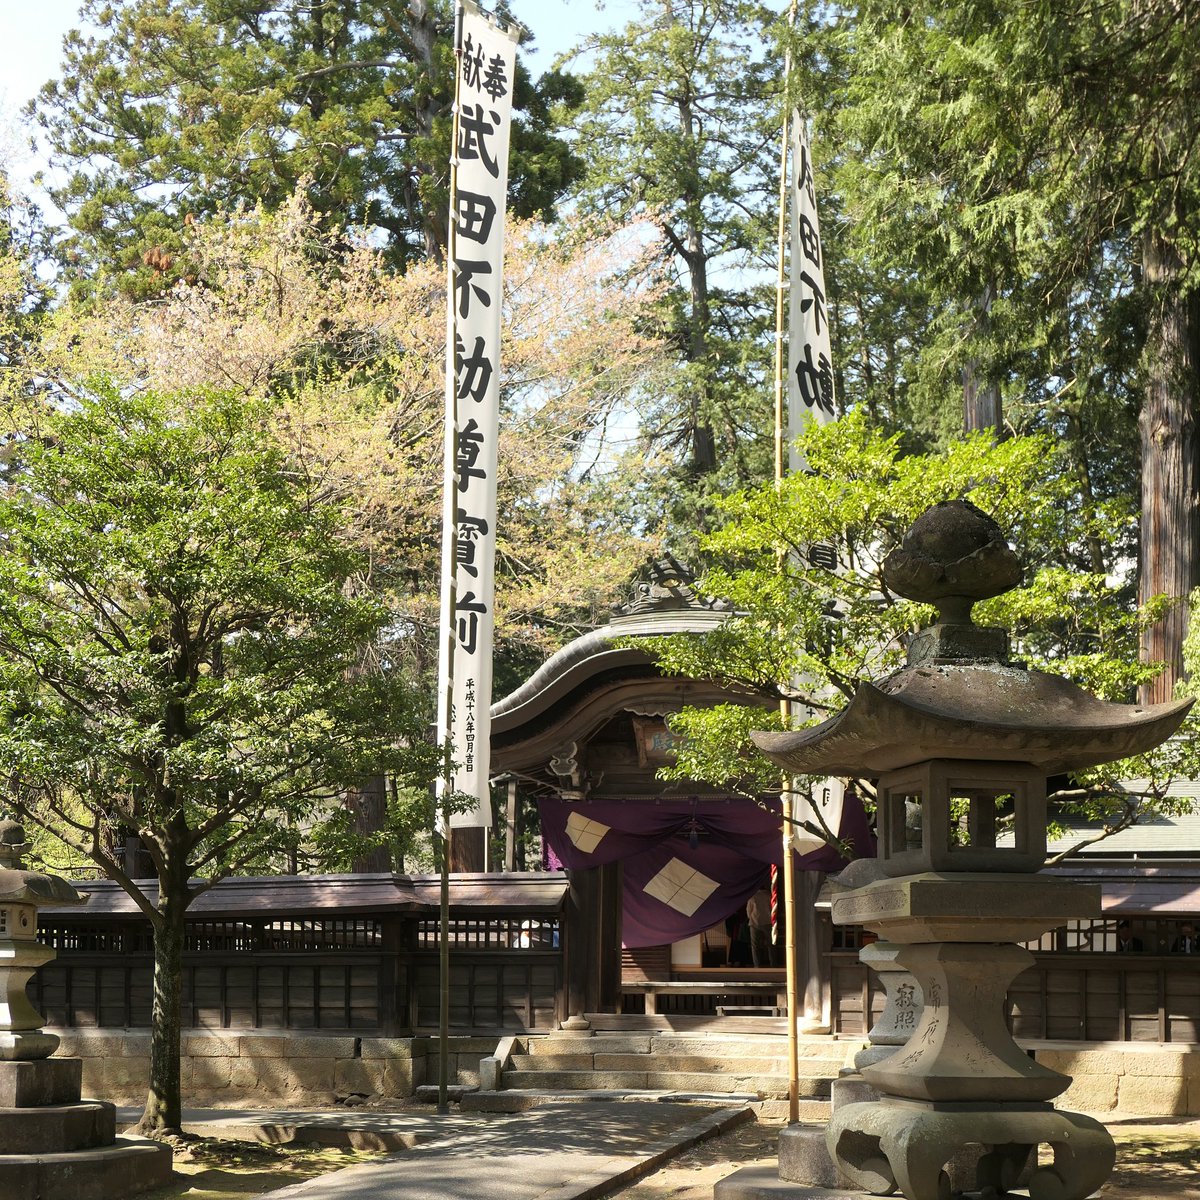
point(361, 974)
point(509, 991)
point(1108, 997)
point(345, 992)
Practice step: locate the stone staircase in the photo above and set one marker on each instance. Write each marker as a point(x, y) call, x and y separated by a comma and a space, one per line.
point(744, 1059)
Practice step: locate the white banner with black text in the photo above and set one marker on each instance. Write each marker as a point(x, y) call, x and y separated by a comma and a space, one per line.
point(474, 303)
point(810, 359)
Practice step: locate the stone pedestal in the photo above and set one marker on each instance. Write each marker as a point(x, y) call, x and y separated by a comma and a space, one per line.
point(56, 1146)
point(907, 1144)
point(960, 1080)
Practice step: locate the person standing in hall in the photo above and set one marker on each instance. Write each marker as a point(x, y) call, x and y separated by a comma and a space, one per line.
point(1185, 943)
point(1127, 943)
point(758, 913)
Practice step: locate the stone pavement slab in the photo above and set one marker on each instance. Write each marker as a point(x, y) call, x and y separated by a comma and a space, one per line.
point(564, 1151)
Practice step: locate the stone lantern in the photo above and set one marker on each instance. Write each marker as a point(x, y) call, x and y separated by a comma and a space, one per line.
point(53, 1144)
point(21, 894)
point(958, 739)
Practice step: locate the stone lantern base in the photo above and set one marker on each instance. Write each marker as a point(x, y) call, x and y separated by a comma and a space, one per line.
point(903, 1144)
point(56, 1146)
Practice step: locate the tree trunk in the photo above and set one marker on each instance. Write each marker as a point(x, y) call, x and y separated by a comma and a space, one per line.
point(468, 849)
point(704, 447)
point(981, 403)
point(981, 396)
point(369, 806)
point(422, 34)
point(163, 1105)
point(1170, 523)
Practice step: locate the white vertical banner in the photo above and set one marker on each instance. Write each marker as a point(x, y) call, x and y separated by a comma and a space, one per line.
point(475, 263)
point(810, 398)
point(810, 359)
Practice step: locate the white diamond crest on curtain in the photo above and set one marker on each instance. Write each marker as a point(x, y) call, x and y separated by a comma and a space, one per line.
point(681, 887)
point(585, 833)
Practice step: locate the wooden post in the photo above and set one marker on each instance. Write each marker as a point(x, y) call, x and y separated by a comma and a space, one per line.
point(789, 892)
point(607, 997)
point(510, 826)
point(468, 850)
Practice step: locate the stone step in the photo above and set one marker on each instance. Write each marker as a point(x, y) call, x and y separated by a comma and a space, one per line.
point(632, 1022)
point(691, 1063)
point(816, 1112)
point(116, 1172)
point(554, 1046)
point(750, 1047)
point(57, 1128)
point(772, 1086)
point(754, 1046)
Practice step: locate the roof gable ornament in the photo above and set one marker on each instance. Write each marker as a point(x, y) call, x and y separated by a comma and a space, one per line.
point(668, 586)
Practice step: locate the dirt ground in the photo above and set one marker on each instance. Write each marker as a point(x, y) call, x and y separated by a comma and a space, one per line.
point(211, 1170)
point(1155, 1161)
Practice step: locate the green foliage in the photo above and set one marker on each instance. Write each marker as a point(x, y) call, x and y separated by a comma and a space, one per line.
point(24, 296)
point(1117, 795)
point(993, 171)
point(187, 646)
point(679, 123)
point(812, 633)
point(174, 109)
point(715, 744)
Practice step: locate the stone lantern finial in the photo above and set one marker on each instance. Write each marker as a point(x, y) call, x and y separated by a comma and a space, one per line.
point(953, 556)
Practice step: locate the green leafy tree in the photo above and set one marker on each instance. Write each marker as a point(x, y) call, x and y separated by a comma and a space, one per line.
point(24, 297)
point(284, 306)
point(172, 109)
point(680, 125)
point(1026, 174)
point(811, 633)
point(187, 652)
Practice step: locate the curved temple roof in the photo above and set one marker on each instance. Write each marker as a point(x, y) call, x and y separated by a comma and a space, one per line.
point(593, 652)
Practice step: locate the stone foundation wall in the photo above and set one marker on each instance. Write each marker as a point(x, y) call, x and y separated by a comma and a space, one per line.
point(260, 1069)
point(1131, 1078)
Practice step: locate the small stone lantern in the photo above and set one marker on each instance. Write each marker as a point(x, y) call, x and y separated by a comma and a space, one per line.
point(54, 1145)
point(22, 892)
point(955, 738)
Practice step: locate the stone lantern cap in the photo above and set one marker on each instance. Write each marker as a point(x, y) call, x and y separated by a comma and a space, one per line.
point(973, 711)
point(959, 697)
point(20, 886)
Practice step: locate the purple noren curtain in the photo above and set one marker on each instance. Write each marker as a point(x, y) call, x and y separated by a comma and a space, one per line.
point(688, 863)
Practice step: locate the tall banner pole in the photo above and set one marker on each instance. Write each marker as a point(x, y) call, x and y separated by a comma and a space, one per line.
point(809, 398)
point(485, 62)
point(449, 607)
point(483, 118)
point(810, 401)
point(810, 356)
point(789, 872)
